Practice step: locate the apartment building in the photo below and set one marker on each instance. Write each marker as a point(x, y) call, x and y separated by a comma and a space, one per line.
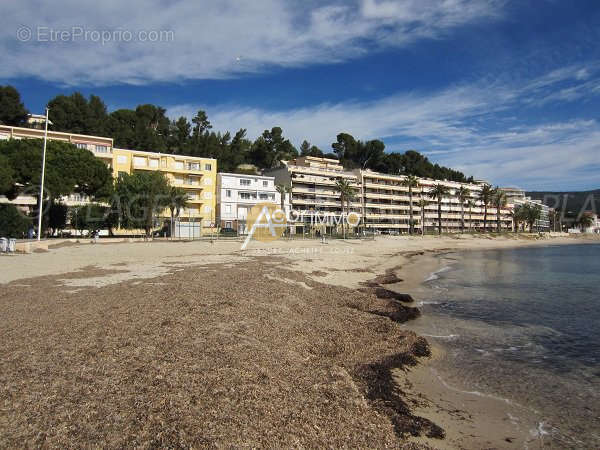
point(314, 198)
point(516, 196)
point(196, 175)
point(386, 205)
point(381, 199)
point(238, 193)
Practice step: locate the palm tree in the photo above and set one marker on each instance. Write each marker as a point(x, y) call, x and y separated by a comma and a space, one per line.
point(517, 216)
point(531, 214)
point(585, 221)
point(283, 190)
point(346, 194)
point(422, 203)
point(178, 199)
point(557, 220)
point(486, 196)
point(438, 192)
point(410, 182)
point(469, 204)
point(463, 195)
point(499, 202)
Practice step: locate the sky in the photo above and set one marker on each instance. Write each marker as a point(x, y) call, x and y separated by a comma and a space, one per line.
point(507, 91)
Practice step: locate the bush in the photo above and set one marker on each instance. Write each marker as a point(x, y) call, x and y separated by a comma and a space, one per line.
point(13, 223)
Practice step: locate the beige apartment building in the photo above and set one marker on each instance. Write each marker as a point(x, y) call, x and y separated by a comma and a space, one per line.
point(381, 199)
point(386, 205)
point(196, 175)
point(314, 198)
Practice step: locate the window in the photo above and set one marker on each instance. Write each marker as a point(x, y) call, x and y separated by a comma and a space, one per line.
point(207, 166)
point(207, 209)
point(263, 196)
point(193, 166)
point(178, 179)
point(179, 165)
point(207, 195)
point(265, 183)
point(228, 208)
point(228, 193)
point(207, 181)
point(139, 161)
point(227, 224)
point(101, 148)
point(154, 163)
point(121, 159)
point(163, 163)
point(247, 195)
point(81, 145)
point(245, 182)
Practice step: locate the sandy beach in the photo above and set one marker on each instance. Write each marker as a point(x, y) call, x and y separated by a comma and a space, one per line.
point(200, 344)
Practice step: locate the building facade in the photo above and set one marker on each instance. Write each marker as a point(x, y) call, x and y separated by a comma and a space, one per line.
point(516, 197)
point(387, 206)
point(382, 200)
point(314, 198)
point(238, 193)
point(197, 176)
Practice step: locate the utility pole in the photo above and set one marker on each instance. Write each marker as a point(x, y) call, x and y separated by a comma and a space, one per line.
point(39, 234)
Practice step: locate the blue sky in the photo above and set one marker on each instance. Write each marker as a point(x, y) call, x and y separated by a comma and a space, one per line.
point(504, 90)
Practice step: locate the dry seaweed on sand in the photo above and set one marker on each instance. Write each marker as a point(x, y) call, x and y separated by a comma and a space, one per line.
point(226, 356)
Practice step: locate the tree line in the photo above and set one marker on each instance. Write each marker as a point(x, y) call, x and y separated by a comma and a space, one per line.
point(129, 202)
point(148, 128)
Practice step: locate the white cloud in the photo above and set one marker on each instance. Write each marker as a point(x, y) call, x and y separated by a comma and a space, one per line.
point(217, 39)
point(465, 127)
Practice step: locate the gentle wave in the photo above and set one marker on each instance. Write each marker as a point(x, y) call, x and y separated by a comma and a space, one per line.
point(450, 336)
point(435, 275)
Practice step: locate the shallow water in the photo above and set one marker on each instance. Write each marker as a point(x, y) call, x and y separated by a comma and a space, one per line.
point(524, 325)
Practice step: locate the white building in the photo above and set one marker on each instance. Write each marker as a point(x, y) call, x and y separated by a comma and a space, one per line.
point(238, 193)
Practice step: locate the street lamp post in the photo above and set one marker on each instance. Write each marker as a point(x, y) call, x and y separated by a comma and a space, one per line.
point(39, 234)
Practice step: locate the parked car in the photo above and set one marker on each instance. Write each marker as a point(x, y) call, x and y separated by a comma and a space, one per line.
point(228, 232)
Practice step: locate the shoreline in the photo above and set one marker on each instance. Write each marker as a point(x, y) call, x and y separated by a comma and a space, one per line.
point(470, 419)
point(337, 269)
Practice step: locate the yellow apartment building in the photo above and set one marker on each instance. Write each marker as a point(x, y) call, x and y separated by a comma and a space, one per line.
point(197, 176)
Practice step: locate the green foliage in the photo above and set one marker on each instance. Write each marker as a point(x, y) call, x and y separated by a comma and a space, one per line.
point(12, 110)
point(55, 218)
point(270, 148)
point(13, 223)
point(499, 199)
point(571, 203)
point(75, 114)
point(140, 197)
point(585, 221)
point(438, 193)
point(306, 149)
point(6, 175)
point(347, 193)
point(486, 196)
point(178, 200)
point(147, 128)
point(91, 217)
point(531, 213)
point(68, 169)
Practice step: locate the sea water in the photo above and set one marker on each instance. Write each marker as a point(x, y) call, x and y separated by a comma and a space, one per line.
point(524, 325)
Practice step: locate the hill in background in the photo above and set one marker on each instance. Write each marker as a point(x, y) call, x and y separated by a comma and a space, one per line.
point(575, 201)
